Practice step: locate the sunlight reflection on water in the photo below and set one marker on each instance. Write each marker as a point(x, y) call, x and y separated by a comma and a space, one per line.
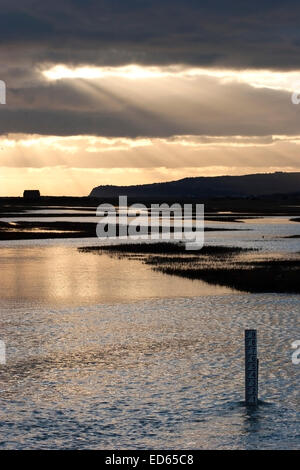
point(106, 353)
point(153, 374)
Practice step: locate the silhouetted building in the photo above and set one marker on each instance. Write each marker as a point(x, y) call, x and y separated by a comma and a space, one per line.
point(31, 195)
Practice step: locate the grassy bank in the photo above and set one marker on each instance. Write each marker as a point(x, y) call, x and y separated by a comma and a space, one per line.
point(237, 268)
point(42, 230)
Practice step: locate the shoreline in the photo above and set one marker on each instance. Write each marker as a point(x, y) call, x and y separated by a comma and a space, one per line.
point(43, 230)
point(232, 267)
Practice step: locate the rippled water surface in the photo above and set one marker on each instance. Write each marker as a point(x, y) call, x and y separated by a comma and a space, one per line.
point(162, 373)
point(107, 353)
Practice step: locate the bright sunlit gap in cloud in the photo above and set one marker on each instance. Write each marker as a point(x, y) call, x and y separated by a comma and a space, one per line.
point(276, 80)
point(91, 143)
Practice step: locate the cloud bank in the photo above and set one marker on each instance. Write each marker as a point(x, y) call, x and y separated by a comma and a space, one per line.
point(146, 89)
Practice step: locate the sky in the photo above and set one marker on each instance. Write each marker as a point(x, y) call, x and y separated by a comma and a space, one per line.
point(139, 91)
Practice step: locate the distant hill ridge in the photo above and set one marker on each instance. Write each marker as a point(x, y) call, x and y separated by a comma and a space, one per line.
point(260, 184)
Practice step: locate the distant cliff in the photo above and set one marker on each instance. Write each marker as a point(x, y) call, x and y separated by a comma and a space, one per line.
point(207, 187)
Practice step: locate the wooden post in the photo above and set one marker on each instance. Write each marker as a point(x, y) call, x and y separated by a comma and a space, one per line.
point(251, 368)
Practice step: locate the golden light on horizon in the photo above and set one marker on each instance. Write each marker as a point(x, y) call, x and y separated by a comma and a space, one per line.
point(73, 165)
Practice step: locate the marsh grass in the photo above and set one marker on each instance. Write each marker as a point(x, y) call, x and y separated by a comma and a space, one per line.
point(218, 265)
point(23, 230)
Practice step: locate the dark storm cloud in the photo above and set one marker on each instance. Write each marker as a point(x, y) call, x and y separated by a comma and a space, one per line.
point(237, 34)
point(231, 33)
point(14, 25)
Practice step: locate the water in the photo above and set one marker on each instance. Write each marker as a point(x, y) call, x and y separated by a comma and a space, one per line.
point(59, 274)
point(107, 353)
point(162, 373)
point(266, 233)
